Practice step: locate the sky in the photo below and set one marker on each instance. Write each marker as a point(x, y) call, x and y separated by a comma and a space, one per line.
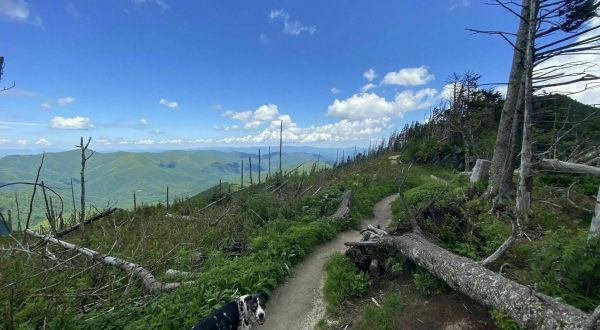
point(139, 74)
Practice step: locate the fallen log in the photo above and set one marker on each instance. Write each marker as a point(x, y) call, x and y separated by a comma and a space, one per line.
point(530, 309)
point(87, 222)
point(150, 283)
point(344, 207)
point(556, 165)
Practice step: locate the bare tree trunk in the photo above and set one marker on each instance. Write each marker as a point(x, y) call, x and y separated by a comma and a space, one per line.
point(242, 173)
point(150, 283)
point(556, 165)
point(525, 172)
point(250, 168)
point(258, 165)
point(344, 208)
point(505, 187)
point(502, 145)
point(84, 159)
point(595, 225)
point(480, 171)
point(37, 177)
point(280, 148)
point(530, 309)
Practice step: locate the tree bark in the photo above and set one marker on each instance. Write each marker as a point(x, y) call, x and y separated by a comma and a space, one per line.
point(556, 165)
point(595, 225)
point(87, 222)
point(502, 145)
point(523, 201)
point(480, 171)
point(344, 207)
point(530, 309)
point(149, 282)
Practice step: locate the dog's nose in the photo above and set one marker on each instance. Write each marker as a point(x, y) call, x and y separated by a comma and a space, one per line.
point(261, 316)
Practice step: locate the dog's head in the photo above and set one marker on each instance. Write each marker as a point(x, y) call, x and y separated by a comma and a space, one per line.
point(254, 307)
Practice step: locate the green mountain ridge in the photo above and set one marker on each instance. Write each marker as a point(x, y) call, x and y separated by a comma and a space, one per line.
point(111, 178)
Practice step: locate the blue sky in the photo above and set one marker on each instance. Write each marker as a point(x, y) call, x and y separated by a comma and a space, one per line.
point(181, 74)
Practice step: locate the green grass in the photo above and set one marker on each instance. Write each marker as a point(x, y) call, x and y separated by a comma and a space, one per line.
point(382, 318)
point(267, 232)
point(342, 281)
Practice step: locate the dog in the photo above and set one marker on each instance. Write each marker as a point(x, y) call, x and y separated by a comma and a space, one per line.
point(239, 314)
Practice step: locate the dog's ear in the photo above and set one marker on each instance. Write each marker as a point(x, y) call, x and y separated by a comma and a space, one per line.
point(247, 299)
point(263, 296)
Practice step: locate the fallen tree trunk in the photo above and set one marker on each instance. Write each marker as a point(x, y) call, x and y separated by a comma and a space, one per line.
point(556, 165)
point(87, 222)
point(344, 207)
point(527, 307)
point(149, 282)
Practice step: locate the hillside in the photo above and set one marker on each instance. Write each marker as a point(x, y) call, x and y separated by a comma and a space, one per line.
point(111, 178)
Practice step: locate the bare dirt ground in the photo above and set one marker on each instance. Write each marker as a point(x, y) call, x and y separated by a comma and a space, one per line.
point(298, 303)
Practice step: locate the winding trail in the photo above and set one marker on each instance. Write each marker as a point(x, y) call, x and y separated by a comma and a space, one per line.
point(298, 303)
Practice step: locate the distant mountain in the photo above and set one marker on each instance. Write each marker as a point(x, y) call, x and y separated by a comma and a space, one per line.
point(113, 177)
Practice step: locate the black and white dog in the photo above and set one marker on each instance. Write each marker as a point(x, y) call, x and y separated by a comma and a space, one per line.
point(239, 314)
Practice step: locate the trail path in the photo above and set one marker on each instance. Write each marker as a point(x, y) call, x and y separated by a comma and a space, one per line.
point(298, 303)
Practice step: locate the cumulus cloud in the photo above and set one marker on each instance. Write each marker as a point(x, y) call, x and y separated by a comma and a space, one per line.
point(370, 105)
point(65, 100)
point(335, 90)
point(42, 142)
point(343, 130)
point(252, 120)
point(367, 87)
point(172, 141)
point(370, 75)
point(4, 141)
point(15, 9)
point(144, 122)
point(409, 77)
point(22, 142)
point(291, 27)
point(168, 104)
point(76, 122)
point(45, 105)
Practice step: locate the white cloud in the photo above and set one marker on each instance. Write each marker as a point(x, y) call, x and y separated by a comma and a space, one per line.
point(335, 90)
point(144, 122)
point(65, 100)
point(22, 142)
point(42, 142)
point(161, 3)
point(344, 130)
point(143, 142)
point(45, 105)
point(4, 141)
point(502, 89)
point(77, 122)
point(156, 131)
point(172, 141)
point(252, 120)
point(367, 87)
point(291, 27)
point(370, 105)
point(168, 104)
point(370, 75)
point(71, 10)
point(15, 9)
point(409, 77)
point(264, 39)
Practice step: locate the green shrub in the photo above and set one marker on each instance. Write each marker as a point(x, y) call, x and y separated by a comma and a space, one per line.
point(343, 281)
point(381, 318)
point(428, 284)
point(503, 321)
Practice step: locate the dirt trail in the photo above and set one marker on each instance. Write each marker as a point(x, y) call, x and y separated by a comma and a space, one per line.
point(298, 303)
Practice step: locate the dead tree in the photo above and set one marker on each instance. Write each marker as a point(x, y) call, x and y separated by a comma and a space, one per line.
point(530, 309)
point(2, 89)
point(344, 208)
point(37, 177)
point(84, 159)
point(149, 282)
